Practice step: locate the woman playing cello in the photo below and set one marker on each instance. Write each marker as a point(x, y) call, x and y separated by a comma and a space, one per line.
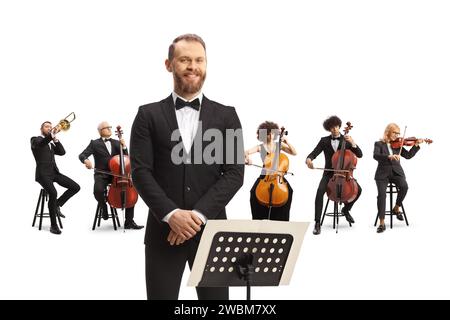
point(268, 134)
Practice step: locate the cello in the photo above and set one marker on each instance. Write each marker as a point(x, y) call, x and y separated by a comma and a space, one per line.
point(272, 190)
point(342, 187)
point(122, 193)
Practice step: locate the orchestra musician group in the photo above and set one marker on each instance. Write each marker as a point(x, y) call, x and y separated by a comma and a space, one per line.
point(387, 152)
point(182, 197)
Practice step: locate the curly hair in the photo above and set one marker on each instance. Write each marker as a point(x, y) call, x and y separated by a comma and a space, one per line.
point(332, 122)
point(264, 129)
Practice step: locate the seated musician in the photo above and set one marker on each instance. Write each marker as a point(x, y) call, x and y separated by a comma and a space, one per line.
point(267, 133)
point(103, 150)
point(329, 145)
point(390, 170)
point(44, 148)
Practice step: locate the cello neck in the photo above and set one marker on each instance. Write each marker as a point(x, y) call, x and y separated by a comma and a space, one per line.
point(119, 133)
point(278, 150)
point(341, 155)
point(343, 145)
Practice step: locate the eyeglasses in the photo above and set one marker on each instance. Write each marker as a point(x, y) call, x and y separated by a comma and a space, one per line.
point(106, 128)
point(397, 133)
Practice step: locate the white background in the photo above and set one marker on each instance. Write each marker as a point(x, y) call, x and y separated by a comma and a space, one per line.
point(293, 62)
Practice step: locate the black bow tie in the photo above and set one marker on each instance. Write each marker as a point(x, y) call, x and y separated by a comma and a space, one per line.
point(333, 138)
point(194, 104)
point(107, 139)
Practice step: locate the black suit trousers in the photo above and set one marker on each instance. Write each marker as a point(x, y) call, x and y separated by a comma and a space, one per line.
point(54, 201)
point(171, 260)
point(401, 184)
point(101, 182)
point(321, 190)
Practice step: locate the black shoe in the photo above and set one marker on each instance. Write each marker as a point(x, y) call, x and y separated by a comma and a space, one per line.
point(55, 230)
point(398, 213)
point(349, 217)
point(104, 210)
point(381, 228)
point(132, 225)
point(59, 213)
point(316, 230)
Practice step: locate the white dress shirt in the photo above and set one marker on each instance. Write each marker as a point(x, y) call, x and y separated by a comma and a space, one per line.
point(108, 145)
point(187, 119)
point(335, 143)
point(390, 149)
point(52, 142)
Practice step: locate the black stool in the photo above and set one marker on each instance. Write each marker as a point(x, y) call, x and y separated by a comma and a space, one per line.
point(335, 214)
point(113, 214)
point(390, 190)
point(43, 199)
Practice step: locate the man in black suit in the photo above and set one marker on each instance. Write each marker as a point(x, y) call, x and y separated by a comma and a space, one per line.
point(329, 145)
point(44, 148)
point(183, 195)
point(103, 149)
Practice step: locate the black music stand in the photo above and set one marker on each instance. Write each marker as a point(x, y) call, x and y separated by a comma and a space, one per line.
point(247, 253)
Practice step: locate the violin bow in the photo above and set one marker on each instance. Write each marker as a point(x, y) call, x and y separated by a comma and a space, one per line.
point(334, 170)
point(111, 174)
point(270, 170)
point(403, 141)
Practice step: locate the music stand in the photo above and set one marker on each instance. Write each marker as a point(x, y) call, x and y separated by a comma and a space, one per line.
point(247, 253)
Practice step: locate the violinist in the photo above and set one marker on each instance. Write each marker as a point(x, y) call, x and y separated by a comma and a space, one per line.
point(387, 152)
point(266, 134)
point(329, 145)
point(103, 150)
point(44, 148)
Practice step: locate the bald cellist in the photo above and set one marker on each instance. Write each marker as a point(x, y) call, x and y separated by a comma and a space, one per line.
point(103, 149)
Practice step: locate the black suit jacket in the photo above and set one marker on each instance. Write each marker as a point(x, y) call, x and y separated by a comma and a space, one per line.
point(328, 151)
point(387, 167)
point(45, 156)
point(165, 186)
point(101, 155)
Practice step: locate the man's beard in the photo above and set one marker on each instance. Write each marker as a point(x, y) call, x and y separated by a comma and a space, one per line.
point(184, 87)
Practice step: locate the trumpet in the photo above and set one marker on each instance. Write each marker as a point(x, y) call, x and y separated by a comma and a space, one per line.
point(64, 124)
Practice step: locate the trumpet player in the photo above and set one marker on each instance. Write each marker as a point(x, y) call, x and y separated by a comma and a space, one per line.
point(44, 148)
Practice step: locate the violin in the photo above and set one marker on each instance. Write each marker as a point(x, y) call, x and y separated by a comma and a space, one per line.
point(342, 187)
point(272, 190)
point(400, 142)
point(122, 193)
